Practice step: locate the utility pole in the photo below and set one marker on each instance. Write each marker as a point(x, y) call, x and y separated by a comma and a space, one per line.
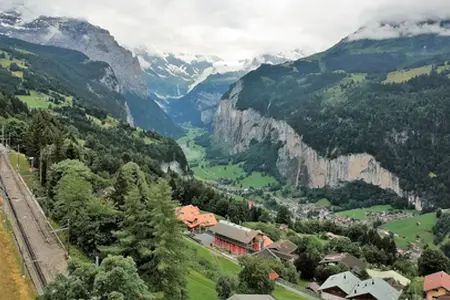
point(68, 237)
point(18, 155)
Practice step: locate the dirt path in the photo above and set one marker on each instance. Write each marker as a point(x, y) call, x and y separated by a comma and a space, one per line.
point(12, 285)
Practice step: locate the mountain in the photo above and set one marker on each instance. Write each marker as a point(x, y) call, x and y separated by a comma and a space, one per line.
point(372, 108)
point(199, 105)
point(99, 45)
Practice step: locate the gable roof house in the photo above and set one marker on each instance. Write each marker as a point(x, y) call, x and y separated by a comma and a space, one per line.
point(281, 250)
point(192, 217)
point(347, 286)
point(238, 239)
point(436, 285)
point(374, 289)
point(352, 262)
point(338, 285)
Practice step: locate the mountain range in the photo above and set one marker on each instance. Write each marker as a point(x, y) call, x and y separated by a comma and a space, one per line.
point(372, 108)
point(186, 87)
point(99, 45)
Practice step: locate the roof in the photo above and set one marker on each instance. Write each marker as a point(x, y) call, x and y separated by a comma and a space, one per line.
point(204, 239)
point(314, 286)
point(192, 217)
point(345, 281)
point(274, 276)
point(284, 246)
point(234, 231)
point(389, 274)
point(378, 288)
point(269, 253)
point(204, 220)
point(436, 280)
point(267, 241)
point(251, 297)
point(345, 258)
point(187, 213)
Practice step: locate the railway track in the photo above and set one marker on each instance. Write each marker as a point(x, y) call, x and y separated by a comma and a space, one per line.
point(43, 252)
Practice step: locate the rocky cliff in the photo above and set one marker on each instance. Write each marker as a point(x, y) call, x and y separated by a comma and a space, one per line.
point(298, 162)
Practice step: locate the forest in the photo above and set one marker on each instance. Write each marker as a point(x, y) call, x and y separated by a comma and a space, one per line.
point(344, 109)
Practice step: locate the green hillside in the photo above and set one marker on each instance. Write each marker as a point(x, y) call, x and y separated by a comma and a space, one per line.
point(388, 98)
point(56, 73)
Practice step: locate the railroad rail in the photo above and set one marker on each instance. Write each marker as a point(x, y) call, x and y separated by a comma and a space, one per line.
point(44, 254)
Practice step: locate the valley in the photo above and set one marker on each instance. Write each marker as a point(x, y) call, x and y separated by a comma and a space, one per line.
point(259, 170)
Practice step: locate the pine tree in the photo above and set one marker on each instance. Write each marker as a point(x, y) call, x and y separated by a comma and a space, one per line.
point(136, 233)
point(167, 271)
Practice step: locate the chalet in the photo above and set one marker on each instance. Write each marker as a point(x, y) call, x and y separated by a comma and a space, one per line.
point(436, 286)
point(338, 286)
point(347, 286)
point(374, 289)
point(282, 250)
point(192, 217)
point(238, 239)
point(347, 259)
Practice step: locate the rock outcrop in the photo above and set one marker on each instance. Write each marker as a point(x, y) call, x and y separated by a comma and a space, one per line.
point(298, 162)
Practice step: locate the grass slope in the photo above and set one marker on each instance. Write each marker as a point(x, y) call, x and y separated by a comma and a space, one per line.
point(408, 229)
point(12, 285)
point(405, 75)
point(359, 213)
point(38, 100)
point(200, 287)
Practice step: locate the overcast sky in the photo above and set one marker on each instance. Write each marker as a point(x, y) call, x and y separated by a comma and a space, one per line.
point(234, 28)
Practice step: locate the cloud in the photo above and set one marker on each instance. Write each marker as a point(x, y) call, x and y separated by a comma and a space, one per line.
point(230, 28)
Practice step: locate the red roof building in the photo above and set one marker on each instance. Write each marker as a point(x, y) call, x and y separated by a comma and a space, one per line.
point(194, 219)
point(436, 285)
point(238, 239)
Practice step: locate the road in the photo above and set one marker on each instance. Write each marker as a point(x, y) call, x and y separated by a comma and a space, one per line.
point(44, 254)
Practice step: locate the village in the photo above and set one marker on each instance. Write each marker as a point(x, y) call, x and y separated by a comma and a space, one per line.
point(361, 280)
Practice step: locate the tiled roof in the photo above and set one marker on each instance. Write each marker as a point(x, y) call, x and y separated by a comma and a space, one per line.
point(345, 281)
point(284, 246)
point(267, 241)
point(378, 288)
point(192, 217)
point(234, 231)
point(188, 213)
point(436, 280)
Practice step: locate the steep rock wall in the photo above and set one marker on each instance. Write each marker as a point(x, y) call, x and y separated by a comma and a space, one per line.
point(298, 162)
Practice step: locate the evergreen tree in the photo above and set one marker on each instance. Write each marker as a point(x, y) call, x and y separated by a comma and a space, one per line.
point(167, 271)
point(115, 278)
point(432, 261)
point(226, 286)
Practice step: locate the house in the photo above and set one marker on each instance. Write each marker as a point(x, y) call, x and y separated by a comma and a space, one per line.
point(338, 285)
point(238, 239)
point(347, 286)
point(192, 217)
point(391, 274)
point(436, 285)
point(251, 297)
point(347, 259)
point(281, 250)
point(374, 289)
point(313, 287)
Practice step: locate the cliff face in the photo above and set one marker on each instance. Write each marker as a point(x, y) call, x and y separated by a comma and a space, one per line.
point(296, 160)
